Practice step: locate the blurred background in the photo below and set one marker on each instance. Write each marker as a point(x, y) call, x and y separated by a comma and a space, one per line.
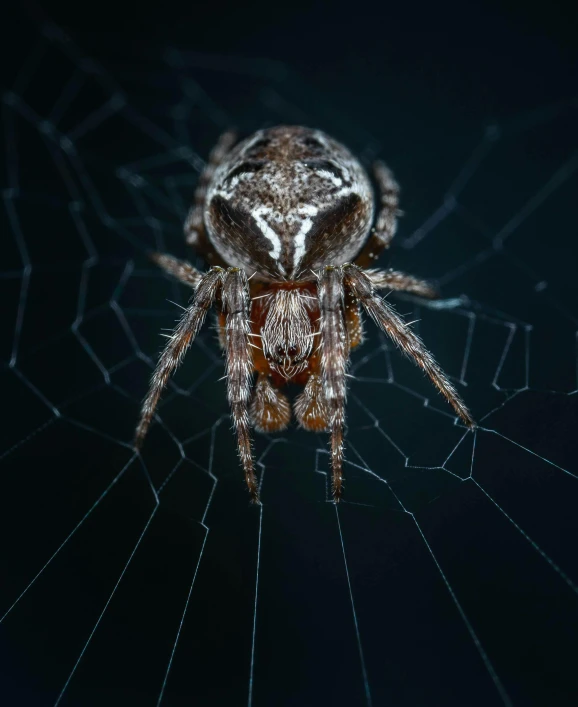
point(449, 574)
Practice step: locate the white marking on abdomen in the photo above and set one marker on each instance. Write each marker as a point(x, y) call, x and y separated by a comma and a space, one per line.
point(267, 231)
point(304, 229)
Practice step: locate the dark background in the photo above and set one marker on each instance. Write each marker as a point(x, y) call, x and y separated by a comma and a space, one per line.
point(459, 581)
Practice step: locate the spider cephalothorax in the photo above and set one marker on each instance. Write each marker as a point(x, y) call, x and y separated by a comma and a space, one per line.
point(287, 334)
point(285, 220)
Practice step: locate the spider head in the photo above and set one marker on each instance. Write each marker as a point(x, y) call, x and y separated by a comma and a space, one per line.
point(287, 336)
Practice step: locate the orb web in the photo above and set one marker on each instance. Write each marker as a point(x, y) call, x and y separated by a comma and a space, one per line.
point(146, 578)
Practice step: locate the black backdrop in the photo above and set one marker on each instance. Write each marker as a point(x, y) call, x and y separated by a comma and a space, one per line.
point(448, 576)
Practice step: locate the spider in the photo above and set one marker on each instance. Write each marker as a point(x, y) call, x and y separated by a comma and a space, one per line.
point(284, 219)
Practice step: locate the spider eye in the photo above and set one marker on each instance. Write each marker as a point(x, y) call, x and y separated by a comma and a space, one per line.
point(280, 350)
point(293, 351)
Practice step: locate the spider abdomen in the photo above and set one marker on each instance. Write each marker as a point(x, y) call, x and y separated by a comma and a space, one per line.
point(287, 200)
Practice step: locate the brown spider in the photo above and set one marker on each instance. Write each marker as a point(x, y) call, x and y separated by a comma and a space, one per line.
point(290, 208)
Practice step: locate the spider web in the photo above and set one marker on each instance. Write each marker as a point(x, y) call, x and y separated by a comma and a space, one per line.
point(448, 575)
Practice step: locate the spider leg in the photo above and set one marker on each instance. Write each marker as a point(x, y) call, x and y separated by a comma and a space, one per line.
point(189, 326)
point(353, 321)
point(399, 281)
point(237, 306)
point(386, 223)
point(194, 225)
point(179, 269)
point(334, 356)
point(393, 325)
point(270, 409)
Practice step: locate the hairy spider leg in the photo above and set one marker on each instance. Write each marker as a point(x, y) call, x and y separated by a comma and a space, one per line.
point(311, 406)
point(334, 359)
point(179, 269)
point(195, 233)
point(386, 222)
point(409, 343)
point(353, 320)
point(401, 282)
point(174, 352)
point(237, 308)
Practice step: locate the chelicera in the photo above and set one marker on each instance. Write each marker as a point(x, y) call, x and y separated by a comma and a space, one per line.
point(288, 224)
